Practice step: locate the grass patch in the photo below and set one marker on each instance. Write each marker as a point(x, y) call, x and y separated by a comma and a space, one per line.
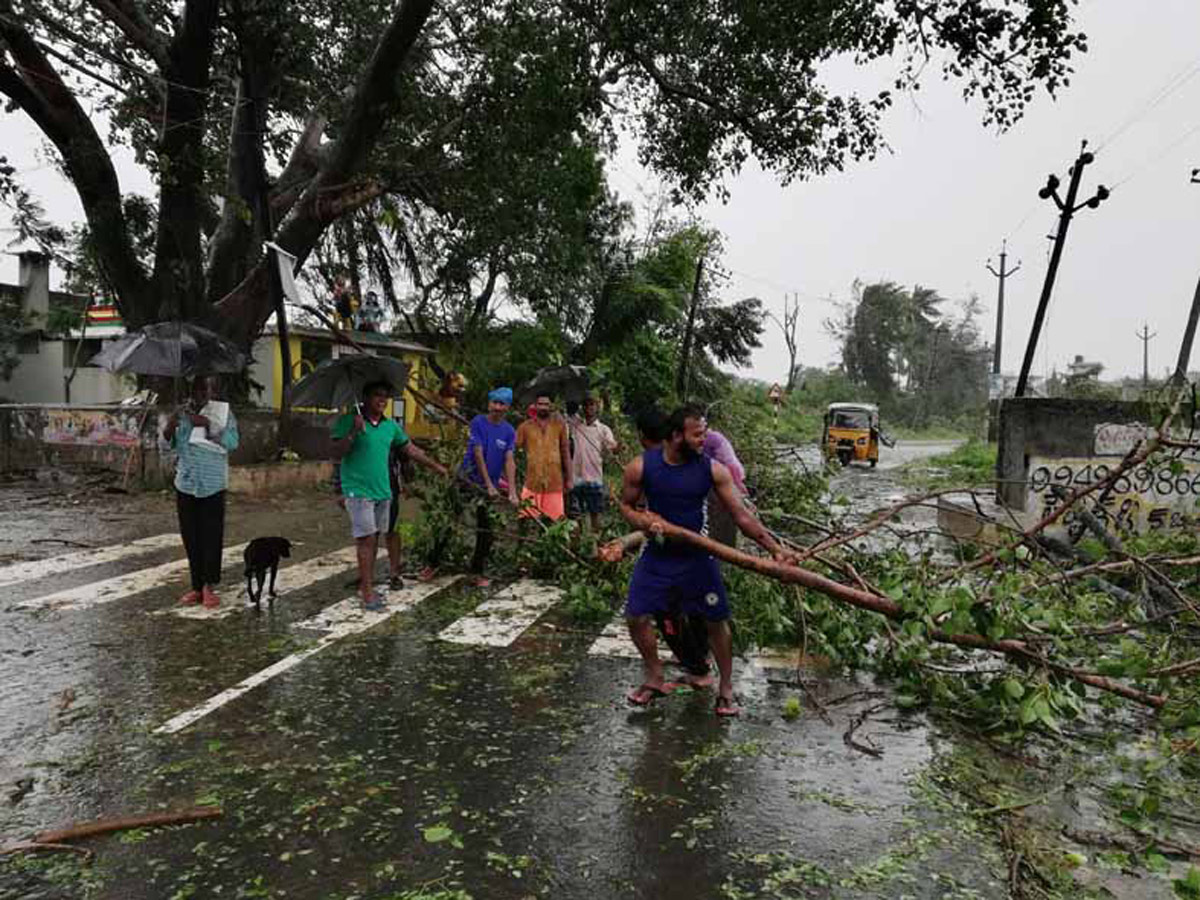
point(973, 463)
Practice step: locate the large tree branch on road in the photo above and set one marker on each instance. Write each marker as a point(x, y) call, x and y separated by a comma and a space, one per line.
point(889, 608)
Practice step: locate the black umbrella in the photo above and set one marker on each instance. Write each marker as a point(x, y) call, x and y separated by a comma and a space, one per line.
point(568, 382)
point(339, 382)
point(173, 350)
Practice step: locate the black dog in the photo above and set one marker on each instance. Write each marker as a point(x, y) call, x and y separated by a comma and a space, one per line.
point(263, 554)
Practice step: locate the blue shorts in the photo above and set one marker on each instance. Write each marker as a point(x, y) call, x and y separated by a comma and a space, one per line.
point(691, 581)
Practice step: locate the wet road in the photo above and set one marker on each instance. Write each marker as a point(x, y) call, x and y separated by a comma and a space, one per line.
point(466, 743)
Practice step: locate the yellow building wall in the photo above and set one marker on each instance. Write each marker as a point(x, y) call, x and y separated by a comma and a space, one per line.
point(414, 422)
point(277, 367)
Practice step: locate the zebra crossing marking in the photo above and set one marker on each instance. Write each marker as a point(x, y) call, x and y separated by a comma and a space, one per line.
point(501, 619)
point(291, 578)
point(342, 620)
point(119, 587)
point(68, 562)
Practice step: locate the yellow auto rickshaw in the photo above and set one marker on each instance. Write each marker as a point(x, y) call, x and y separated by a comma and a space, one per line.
point(851, 433)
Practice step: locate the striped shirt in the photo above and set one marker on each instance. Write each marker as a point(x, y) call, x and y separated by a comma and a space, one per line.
point(201, 471)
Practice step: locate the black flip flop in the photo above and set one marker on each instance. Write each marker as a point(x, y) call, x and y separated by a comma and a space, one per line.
point(654, 692)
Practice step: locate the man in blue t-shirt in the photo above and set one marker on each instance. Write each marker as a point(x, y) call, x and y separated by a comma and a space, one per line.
point(488, 463)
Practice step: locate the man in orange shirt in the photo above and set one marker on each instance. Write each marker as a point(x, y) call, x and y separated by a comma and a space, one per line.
point(547, 461)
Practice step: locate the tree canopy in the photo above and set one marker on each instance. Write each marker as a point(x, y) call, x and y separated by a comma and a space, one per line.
point(910, 354)
point(464, 125)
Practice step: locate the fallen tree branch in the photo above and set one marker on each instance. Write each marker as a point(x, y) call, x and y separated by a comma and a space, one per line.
point(857, 722)
point(126, 823)
point(889, 608)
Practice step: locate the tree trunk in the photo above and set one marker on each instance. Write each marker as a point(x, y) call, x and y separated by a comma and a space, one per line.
point(683, 375)
point(178, 264)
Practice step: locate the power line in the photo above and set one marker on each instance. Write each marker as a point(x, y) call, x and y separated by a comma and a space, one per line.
point(1174, 83)
point(1158, 157)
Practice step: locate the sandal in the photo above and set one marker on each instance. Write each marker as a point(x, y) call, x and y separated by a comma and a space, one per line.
point(696, 683)
point(646, 689)
point(726, 708)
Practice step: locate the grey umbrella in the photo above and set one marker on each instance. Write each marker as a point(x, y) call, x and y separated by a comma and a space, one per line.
point(339, 382)
point(171, 349)
point(568, 382)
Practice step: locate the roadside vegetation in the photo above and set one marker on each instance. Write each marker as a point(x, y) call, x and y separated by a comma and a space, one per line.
point(972, 464)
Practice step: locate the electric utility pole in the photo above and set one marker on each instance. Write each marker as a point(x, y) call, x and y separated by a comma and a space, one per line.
point(1067, 209)
point(1144, 336)
point(1189, 333)
point(1002, 275)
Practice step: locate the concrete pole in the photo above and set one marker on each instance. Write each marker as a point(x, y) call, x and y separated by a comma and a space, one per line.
point(1002, 276)
point(1067, 211)
point(1189, 333)
point(1144, 336)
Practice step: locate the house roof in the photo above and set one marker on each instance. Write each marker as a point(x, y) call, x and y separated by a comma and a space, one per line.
point(365, 338)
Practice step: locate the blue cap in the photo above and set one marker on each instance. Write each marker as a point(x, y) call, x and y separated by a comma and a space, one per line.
point(501, 395)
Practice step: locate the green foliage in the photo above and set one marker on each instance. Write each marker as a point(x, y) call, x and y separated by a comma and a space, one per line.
point(919, 364)
point(487, 131)
point(15, 323)
point(791, 709)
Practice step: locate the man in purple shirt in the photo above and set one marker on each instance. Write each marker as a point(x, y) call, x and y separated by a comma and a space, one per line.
point(717, 446)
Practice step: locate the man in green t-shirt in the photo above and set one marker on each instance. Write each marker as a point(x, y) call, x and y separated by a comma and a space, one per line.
point(364, 440)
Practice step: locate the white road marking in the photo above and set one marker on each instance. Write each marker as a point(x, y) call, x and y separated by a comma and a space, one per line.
point(56, 565)
point(290, 578)
point(501, 620)
point(342, 620)
point(122, 586)
point(615, 641)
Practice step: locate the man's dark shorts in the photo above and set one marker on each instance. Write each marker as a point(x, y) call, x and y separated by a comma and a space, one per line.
point(692, 579)
point(588, 498)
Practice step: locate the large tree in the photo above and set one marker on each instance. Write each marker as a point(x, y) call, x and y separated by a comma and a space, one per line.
point(364, 99)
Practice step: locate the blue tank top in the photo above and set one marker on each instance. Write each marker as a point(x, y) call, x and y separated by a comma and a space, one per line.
point(678, 494)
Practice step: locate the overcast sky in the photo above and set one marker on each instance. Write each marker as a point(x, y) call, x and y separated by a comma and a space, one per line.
point(933, 210)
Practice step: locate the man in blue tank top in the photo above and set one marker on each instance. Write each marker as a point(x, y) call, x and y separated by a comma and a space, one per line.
point(675, 480)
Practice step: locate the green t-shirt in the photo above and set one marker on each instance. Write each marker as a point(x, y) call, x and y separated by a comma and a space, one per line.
point(365, 467)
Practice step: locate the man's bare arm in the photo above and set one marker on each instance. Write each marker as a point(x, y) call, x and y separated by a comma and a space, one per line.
point(631, 496)
point(481, 468)
point(419, 456)
point(564, 451)
point(749, 525)
point(510, 475)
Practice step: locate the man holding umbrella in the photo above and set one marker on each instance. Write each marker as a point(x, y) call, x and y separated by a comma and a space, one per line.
point(364, 439)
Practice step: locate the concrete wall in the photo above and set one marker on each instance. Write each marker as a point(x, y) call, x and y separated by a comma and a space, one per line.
point(117, 438)
point(1055, 428)
point(39, 377)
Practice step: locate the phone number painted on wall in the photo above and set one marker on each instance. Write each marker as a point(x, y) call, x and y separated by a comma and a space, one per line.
point(1141, 499)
